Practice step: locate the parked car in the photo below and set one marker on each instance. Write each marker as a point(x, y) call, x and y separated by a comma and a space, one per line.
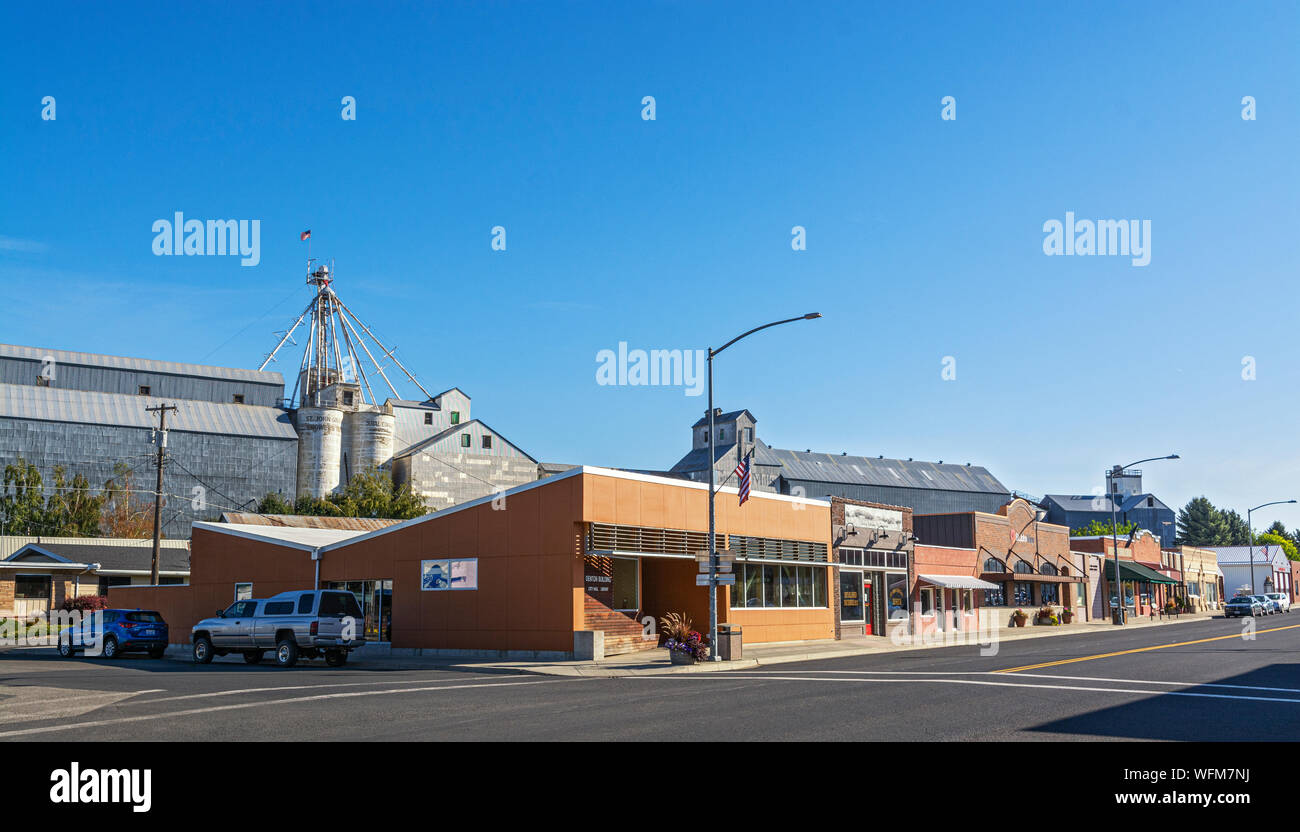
point(1243, 605)
point(1281, 600)
point(300, 624)
point(124, 631)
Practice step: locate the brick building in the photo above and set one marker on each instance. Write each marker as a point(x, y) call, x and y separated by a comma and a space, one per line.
point(1029, 561)
point(871, 545)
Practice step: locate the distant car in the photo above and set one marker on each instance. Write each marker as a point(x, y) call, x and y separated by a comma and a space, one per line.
point(1243, 606)
point(299, 624)
point(1279, 598)
point(124, 631)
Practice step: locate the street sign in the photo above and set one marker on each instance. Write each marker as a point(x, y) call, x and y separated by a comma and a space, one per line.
point(723, 554)
point(723, 580)
point(722, 566)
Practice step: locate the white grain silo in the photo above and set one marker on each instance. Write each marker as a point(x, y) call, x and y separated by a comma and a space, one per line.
point(320, 446)
point(369, 434)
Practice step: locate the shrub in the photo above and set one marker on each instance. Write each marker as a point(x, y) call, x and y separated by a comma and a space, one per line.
point(85, 603)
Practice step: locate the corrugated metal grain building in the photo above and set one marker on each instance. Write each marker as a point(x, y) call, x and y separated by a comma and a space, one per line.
point(228, 444)
point(925, 487)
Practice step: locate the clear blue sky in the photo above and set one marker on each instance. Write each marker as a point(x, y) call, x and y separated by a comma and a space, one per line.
point(924, 236)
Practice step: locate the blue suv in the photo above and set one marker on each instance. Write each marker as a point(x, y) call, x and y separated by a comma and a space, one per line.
point(125, 631)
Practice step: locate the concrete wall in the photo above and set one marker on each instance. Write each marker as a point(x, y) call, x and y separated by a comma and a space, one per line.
point(241, 468)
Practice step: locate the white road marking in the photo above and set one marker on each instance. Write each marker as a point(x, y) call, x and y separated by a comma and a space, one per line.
point(976, 682)
point(280, 688)
point(1052, 676)
point(46, 729)
point(29, 703)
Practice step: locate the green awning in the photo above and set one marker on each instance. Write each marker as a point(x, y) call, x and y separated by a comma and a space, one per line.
point(1130, 571)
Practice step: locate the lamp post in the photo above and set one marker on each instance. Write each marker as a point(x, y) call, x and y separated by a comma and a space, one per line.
point(1250, 537)
point(713, 549)
point(1114, 534)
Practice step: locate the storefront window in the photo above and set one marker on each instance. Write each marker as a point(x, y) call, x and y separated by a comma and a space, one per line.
point(780, 586)
point(851, 608)
point(996, 597)
point(376, 601)
point(1049, 594)
point(1023, 593)
point(927, 601)
point(897, 590)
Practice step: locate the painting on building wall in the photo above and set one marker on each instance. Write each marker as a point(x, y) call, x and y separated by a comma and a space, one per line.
point(452, 573)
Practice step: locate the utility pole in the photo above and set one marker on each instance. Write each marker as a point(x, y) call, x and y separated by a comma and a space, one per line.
point(160, 439)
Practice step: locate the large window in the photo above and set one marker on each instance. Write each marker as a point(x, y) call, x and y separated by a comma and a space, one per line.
point(376, 601)
point(779, 586)
point(996, 597)
point(994, 565)
point(851, 607)
point(1049, 594)
point(896, 593)
point(1022, 593)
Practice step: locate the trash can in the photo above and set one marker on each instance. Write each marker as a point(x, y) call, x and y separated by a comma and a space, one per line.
point(730, 640)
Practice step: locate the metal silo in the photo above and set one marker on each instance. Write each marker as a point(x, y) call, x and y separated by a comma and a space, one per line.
point(369, 436)
point(320, 446)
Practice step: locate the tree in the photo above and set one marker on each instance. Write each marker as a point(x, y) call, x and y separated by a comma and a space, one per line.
point(274, 503)
point(71, 510)
point(1278, 529)
point(122, 514)
point(1201, 524)
point(1235, 532)
point(370, 493)
point(1288, 545)
point(1097, 528)
point(22, 502)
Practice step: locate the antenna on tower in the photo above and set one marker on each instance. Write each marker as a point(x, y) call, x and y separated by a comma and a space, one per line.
point(335, 344)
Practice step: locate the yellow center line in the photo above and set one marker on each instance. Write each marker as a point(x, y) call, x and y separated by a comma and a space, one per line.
point(1136, 650)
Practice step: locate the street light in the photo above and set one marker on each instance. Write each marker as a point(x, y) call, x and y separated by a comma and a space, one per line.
point(1250, 536)
point(713, 549)
point(1114, 534)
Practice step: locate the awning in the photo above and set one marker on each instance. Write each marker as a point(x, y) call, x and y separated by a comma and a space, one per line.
point(956, 582)
point(1130, 571)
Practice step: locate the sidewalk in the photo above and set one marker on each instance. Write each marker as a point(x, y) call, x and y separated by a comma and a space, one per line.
point(656, 662)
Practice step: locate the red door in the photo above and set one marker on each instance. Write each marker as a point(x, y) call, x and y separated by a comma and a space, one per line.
point(866, 605)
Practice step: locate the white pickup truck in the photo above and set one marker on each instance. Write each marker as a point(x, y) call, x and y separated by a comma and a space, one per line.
point(301, 624)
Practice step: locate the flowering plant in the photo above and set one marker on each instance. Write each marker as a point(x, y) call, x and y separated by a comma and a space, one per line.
point(696, 644)
point(679, 637)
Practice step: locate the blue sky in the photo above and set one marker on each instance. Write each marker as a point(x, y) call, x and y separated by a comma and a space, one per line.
point(924, 236)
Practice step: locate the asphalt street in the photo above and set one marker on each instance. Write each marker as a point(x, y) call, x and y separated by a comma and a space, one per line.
point(1193, 681)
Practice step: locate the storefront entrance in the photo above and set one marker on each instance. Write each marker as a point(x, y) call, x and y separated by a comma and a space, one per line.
point(376, 601)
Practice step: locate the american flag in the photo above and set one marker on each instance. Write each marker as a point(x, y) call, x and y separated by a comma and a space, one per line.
point(304, 235)
point(742, 474)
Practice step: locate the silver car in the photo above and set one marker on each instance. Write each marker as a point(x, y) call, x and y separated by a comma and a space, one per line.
point(1280, 600)
point(300, 624)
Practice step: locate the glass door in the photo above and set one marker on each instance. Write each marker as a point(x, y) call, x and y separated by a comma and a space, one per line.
point(626, 584)
point(376, 601)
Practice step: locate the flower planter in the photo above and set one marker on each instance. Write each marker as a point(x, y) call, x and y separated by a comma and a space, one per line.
point(1067, 617)
point(680, 657)
point(1019, 620)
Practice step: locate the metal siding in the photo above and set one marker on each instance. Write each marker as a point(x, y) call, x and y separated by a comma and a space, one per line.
point(83, 407)
point(921, 501)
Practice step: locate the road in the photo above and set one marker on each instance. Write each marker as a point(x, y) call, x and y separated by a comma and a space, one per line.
point(1192, 681)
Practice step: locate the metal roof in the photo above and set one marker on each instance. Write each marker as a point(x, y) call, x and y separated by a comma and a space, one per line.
point(301, 521)
point(49, 404)
point(815, 467)
point(299, 538)
point(729, 416)
point(1084, 502)
point(145, 365)
point(1240, 555)
point(109, 558)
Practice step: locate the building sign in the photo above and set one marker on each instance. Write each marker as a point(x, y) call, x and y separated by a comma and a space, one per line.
point(598, 579)
point(452, 573)
point(866, 517)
